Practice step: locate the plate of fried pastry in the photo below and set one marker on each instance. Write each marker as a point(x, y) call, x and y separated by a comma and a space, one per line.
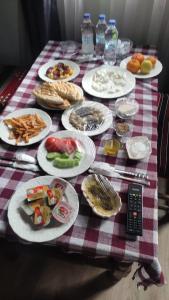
point(58, 95)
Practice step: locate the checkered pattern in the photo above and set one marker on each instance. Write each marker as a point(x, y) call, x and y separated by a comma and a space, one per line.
point(91, 234)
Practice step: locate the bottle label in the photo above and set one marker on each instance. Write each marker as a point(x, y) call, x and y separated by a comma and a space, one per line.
point(111, 45)
point(87, 39)
point(100, 38)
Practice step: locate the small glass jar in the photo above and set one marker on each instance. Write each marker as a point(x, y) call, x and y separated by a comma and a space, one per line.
point(121, 127)
point(112, 146)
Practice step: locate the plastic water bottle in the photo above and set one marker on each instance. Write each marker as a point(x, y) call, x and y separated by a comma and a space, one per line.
point(100, 36)
point(111, 39)
point(87, 31)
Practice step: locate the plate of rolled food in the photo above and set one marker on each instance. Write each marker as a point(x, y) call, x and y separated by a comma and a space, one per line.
point(43, 208)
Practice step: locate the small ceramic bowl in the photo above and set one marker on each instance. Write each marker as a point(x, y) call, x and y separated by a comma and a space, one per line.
point(138, 147)
point(126, 108)
point(89, 183)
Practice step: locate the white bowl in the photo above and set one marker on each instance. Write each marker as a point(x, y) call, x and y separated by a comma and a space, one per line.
point(98, 210)
point(138, 147)
point(126, 108)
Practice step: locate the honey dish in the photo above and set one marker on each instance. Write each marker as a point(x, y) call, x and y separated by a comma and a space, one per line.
point(138, 147)
point(126, 108)
point(102, 198)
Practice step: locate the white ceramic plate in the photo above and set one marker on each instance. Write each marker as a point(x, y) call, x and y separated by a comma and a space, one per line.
point(107, 115)
point(20, 222)
point(4, 131)
point(89, 153)
point(44, 105)
point(154, 72)
point(129, 86)
point(52, 63)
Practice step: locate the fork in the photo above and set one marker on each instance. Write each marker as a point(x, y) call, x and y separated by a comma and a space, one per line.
point(99, 179)
point(136, 174)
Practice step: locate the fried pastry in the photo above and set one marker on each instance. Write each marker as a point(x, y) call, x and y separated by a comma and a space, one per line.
point(48, 93)
point(53, 104)
point(59, 95)
point(68, 90)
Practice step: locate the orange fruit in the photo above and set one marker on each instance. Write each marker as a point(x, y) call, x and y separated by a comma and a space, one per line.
point(138, 56)
point(153, 60)
point(133, 65)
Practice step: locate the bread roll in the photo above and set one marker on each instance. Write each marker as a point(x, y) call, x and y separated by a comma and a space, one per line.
point(68, 90)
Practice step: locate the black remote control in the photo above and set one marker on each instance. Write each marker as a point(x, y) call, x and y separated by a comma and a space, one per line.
point(134, 210)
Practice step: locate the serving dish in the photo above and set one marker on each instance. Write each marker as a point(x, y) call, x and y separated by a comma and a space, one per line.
point(43, 69)
point(138, 147)
point(154, 72)
point(58, 96)
point(4, 130)
point(80, 118)
point(113, 82)
point(104, 201)
point(19, 221)
point(87, 148)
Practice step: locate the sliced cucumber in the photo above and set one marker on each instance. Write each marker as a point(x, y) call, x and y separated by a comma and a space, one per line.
point(65, 163)
point(78, 155)
point(53, 155)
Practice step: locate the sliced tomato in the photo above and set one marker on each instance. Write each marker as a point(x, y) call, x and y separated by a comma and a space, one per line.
point(67, 145)
point(70, 145)
point(53, 144)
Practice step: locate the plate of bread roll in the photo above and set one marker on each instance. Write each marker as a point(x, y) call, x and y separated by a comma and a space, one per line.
point(58, 95)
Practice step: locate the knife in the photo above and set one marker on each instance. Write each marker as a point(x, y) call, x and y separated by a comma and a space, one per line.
point(108, 167)
point(117, 175)
point(18, 165)
point(20, 157)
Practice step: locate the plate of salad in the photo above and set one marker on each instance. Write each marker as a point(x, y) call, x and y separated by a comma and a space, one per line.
point(66, 154)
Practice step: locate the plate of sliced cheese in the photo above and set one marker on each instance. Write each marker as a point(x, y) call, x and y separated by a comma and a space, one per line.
point(108, 82)
point(59, 95)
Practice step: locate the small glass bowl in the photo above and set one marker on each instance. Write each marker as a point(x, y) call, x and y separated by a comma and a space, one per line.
point(69, 47)
point(121, 127)
point(126, 108)
point(124, 47)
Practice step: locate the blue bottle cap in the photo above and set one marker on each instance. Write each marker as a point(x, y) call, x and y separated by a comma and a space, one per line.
point(102, 17)
point(112, 22)
point(87, 15)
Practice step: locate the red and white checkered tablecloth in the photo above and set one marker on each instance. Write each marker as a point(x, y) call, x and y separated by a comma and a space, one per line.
point(91, 234)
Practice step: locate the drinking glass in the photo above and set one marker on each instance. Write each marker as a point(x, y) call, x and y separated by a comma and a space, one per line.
point(69, 47)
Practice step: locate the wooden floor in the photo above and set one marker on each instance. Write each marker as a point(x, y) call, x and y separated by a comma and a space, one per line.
point(35, 274)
